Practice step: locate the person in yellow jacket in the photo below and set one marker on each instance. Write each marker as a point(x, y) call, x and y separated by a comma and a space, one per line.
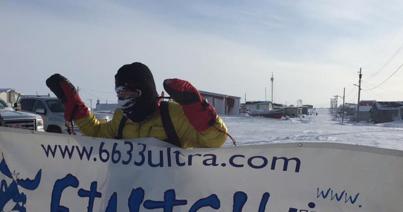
point(187, 120)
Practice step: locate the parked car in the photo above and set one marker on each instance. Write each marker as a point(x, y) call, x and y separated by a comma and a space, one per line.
point(50, 108)
point(11, 118)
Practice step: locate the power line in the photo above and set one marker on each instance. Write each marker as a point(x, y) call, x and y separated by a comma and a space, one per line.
point(390, 76)
point(387, 61)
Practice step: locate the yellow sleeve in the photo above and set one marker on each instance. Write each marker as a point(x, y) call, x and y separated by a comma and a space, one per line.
point(213, 137)
point(91, 126)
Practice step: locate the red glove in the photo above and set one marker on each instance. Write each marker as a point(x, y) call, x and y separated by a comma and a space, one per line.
point(199, 112)
point(74, 107)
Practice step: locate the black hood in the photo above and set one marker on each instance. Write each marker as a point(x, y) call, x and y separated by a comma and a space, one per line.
point(138, 76)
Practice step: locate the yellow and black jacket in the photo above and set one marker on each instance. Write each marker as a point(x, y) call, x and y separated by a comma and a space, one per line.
point(214, 136)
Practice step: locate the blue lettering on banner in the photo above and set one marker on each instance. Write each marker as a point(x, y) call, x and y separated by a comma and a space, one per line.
point(59, 186)
point(10, 192)
point(168, 204)
point(113, 203)
point(136, 199)
point(91, 194)
point(342, 197)
point(138, 154)
point(240, 199)
point(210, 201)
point(263, 202)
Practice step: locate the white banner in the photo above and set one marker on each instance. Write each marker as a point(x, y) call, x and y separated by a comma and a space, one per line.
point(49, 172)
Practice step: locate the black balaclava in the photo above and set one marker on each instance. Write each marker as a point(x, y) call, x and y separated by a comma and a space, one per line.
point(138, 76)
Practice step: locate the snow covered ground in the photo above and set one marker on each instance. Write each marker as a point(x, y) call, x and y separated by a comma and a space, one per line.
point(321, 128)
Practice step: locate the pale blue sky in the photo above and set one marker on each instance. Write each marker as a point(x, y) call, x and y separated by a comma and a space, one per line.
point(314, 48)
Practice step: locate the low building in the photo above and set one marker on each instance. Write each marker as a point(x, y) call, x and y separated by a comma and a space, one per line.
point(258, 108)
point(224, 104)
point(386, 111)
point(243, 109)
point(9, 95)
point(293, 111)
point(350, 109)
point(364, 112)
point(307, 109)
point(105, 106)
point(278, 106)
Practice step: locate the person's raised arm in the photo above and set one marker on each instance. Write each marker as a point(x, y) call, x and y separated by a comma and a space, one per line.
point(74, 107)
point(211, 130)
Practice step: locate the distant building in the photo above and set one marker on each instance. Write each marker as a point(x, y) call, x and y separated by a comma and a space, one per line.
point(296, 111)
point(278, 106)
point(224, 104)
point(350, 109)
point(9, 95)
point(105, 106)
point(386, 111)
point(258, 108)
point(293, 111)
point(364, 113)
point(242, 108)
point(307, 109)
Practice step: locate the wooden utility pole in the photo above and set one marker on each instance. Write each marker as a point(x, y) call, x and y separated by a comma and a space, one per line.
point(342, 108)
point(359, 94)
point(336, 100)
point(272, 82)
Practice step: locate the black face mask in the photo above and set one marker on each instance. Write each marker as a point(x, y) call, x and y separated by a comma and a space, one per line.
point(139, 109)
point(136, 107)
point(127, 97)
point(137, 76)
point(125, 104)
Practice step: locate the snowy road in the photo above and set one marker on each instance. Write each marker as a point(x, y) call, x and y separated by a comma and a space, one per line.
point(321, 128)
